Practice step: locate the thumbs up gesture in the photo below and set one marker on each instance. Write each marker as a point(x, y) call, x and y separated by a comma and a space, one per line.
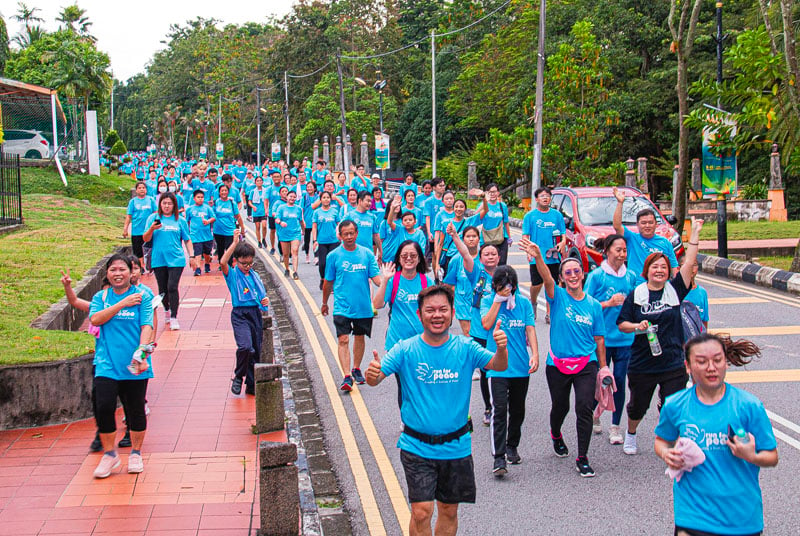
point(374, 374)
point(500, 338)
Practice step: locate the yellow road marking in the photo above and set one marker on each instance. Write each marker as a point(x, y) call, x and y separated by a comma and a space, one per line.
point(758, 331)
point(763, 376)
point(752, 292)
point(736, 301)
point(363, 484)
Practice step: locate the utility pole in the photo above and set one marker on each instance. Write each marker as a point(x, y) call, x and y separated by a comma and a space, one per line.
point(258, 127)
point(722, 205)
point(433, 103)
point(536, 168)
point(112, 106)
point(219, 120)
point(286, 113)
point(341, 107)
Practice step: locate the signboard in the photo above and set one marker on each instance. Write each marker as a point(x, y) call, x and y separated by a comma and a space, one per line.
point(203, 152)
point(720, 173)
point(151, 150)
point(382, 151)
point(220, 151)
point(276, 151)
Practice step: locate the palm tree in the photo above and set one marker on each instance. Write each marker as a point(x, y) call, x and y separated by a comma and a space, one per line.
point(27, 16)
point(75, 20)
point(3, 44)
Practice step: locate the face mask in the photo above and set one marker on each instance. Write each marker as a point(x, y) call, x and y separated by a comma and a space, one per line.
point(172, 188)
point(162, 189)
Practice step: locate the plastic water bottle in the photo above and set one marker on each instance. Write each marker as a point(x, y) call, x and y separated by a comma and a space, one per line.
point(607, 381)
point(556, 237)
point(742, 437)
point(652, 338)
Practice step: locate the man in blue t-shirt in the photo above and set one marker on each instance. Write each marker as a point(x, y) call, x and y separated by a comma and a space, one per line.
point(348, 271)
point(646, 241)
point(435, 371)
point(543, 226)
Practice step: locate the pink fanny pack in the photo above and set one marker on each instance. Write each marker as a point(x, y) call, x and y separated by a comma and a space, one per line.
point(570, 365)
point(93, 330)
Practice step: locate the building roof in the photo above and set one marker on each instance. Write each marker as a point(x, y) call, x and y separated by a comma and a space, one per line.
point(22, 93)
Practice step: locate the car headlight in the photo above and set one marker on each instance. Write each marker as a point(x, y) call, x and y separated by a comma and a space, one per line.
point(591, 240)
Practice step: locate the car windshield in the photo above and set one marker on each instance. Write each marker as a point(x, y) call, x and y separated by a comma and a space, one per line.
point(600, 210)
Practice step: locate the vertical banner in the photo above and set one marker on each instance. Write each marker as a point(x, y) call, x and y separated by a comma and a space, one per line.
point(720, 173)
point(220, 151)
point(203, 152)
point(276, 151)
point(382, 151)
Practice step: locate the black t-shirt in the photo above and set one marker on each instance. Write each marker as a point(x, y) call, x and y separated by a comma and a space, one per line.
point(670, 331)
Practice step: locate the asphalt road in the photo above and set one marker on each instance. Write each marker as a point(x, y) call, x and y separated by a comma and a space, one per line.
point(545, 495)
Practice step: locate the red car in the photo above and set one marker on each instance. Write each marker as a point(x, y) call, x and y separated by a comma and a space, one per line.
point(587, 215)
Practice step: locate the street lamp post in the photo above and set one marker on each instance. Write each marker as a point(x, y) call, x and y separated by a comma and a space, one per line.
point(379, 85)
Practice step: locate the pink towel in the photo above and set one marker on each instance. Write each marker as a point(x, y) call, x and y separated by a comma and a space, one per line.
point(692, 457)
point(604, 394)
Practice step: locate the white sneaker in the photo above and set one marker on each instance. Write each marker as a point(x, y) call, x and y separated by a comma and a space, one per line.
point(173, 325)
point(106, 466)
point(597, 428)
point(166, 317)
point(615, 435)
point(630, 446)
point(135, 463)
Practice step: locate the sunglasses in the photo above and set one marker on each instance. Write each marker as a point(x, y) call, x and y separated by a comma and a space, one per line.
point(574, 271)
point(409, 256)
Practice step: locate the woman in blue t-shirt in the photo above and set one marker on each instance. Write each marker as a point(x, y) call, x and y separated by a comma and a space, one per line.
point(494, 216)
point(457, 277)
point(721, 495)
point(228, 219)
point(310, 196)
point(139, 209)
point(577, 352)
point(324, 237)
point(289, 220)
point(404, 278)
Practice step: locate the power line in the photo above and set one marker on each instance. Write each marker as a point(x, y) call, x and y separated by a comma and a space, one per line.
point(470, 25)
point(404, 47)
point(309, 74)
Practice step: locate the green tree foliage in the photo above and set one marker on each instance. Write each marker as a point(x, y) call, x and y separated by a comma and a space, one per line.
point(4, 51)
point(118, 149)
point(112, 137)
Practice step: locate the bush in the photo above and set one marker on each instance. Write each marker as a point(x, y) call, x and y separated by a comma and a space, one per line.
point(754, 190)
point(118, 149)
point(111, 138)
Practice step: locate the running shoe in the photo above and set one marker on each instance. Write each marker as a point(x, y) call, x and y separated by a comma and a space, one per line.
point(260, 245)
point(135, 463)
point(316, 261)
point(286, 272)
point(125, 442)
point(308, 259)
point(347, 384)
point(487, 417)
point(295, 276)
point(174, 325)
point(583, 467)
point(513, 456)
point(358, 377)
point(108, 462)
point(271, 251)
point(197, 271)
point(630, 447)
point(208, 268)
point(615, 435)
point(166, 316)
point(236, 386)
point(97, 445)
point(597, 428)
point(559, 447)
point(499, 470)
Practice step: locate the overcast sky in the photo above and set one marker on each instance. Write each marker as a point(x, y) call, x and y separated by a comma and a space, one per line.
point(131, 35)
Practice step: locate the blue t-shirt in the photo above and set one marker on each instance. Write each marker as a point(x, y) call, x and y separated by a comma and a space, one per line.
point(320, 177)
point(422, 199)
point(393, 239)
point(574, 325)
point(496, 215)
point(703, 497)
point(208, 187)
point(152, 187)
point(259, 199)
point(639, 248)
point(436, 383)
point(432, 208)
point(308, 212)
point(327, 222)
point(405, 187)
point(464, 284)
point(404, 322)
point(360, 184)
point(699, 297)
point(350, 272)
point(539, 226)
point(139, 209)
point(199, 231)
point(367, 226)
point(226, 212)
point(601, 285)
point(187, 191)
point(418, 213)
point(513, 324)
point(439, 223)
point(167, 241)
point(274, 197)
point(119, 337)
point(292, 217)
point(248, 283)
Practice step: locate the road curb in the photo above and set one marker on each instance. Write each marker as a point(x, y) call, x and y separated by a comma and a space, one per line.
point(750, 273)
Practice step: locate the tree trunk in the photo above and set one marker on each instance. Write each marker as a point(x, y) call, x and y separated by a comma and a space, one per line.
point(679, 186)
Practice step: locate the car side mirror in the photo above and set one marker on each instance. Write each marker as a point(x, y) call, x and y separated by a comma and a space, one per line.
point(568, 223)
point(672, 220)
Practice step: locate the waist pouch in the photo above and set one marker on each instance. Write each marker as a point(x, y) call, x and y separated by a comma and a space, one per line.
point(570, 365)
point(438, 439)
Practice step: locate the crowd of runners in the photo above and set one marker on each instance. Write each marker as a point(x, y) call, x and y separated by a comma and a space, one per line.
point(639, 319)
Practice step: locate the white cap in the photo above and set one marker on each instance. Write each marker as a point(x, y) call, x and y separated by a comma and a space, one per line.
point(376, 176)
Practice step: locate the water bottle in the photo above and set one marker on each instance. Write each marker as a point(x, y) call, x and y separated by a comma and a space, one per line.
point(607, 381)
point(652, 338)
point(742, 437)
point(556, 237)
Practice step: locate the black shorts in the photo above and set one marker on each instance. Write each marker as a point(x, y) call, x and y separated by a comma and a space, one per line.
point(202, 248)
point(642, 387)
point(257, 219)
point(271, 220)
point(137, 245)
point(536, 279)
point(447, 481)
point(681, 531)
point(356, 326)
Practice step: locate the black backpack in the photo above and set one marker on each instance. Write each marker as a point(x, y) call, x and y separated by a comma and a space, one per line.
point(692, 323)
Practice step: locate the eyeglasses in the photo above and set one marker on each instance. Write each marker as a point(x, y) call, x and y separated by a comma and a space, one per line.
point(576, 271)
point(409, 256)
point(245, 264)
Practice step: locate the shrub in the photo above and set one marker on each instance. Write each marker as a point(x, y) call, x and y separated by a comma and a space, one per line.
point(118, 149)
point(111, 138)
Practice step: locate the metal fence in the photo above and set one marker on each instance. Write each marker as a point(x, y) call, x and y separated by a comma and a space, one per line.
point(28, 128)
point(10, 190)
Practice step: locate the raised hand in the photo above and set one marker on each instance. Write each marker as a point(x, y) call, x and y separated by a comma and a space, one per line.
point(451, 229)
point(619, 195)
point(66, 280)
point(374, 369)
point(388, 270)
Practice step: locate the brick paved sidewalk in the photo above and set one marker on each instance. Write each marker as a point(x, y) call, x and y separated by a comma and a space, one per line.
point(200, 475)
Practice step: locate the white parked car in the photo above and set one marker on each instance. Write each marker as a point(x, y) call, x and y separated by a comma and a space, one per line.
point(26, 143)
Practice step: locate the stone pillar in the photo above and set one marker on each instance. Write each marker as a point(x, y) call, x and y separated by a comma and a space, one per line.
point(365, 154)
point(630, 173)
point(349, 154)
point(697, 181)
point(776, 194)
point(316, 155)
point(267, 343)
point(641, 175)
point(280, 495)
point(472, 177)
point(339, 163)
point(269, 398)
point(674, 187)
point(326, 150)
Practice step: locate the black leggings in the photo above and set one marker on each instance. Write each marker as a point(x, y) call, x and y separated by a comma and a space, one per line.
point(583, 383)
point(508, 412)
point(322, 253)
point(168, 279)
point(223, 242)
point(307, 240)
point(502, 251)
point(132, 393)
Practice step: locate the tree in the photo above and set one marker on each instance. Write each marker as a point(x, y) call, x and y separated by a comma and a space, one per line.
point(118, 149)
point(111, 138)
point(27, 16)
point(4, 51)
point(74, 18)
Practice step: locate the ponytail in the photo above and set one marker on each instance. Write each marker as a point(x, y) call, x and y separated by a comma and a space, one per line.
point(738, 353)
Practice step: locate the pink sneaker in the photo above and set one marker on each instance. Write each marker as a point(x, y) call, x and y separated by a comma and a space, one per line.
point(106, 466)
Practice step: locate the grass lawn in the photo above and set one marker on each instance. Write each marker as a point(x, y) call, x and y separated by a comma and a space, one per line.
point(60, 232)
point(781, 263)
point(754, 230)
point(107, 189)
